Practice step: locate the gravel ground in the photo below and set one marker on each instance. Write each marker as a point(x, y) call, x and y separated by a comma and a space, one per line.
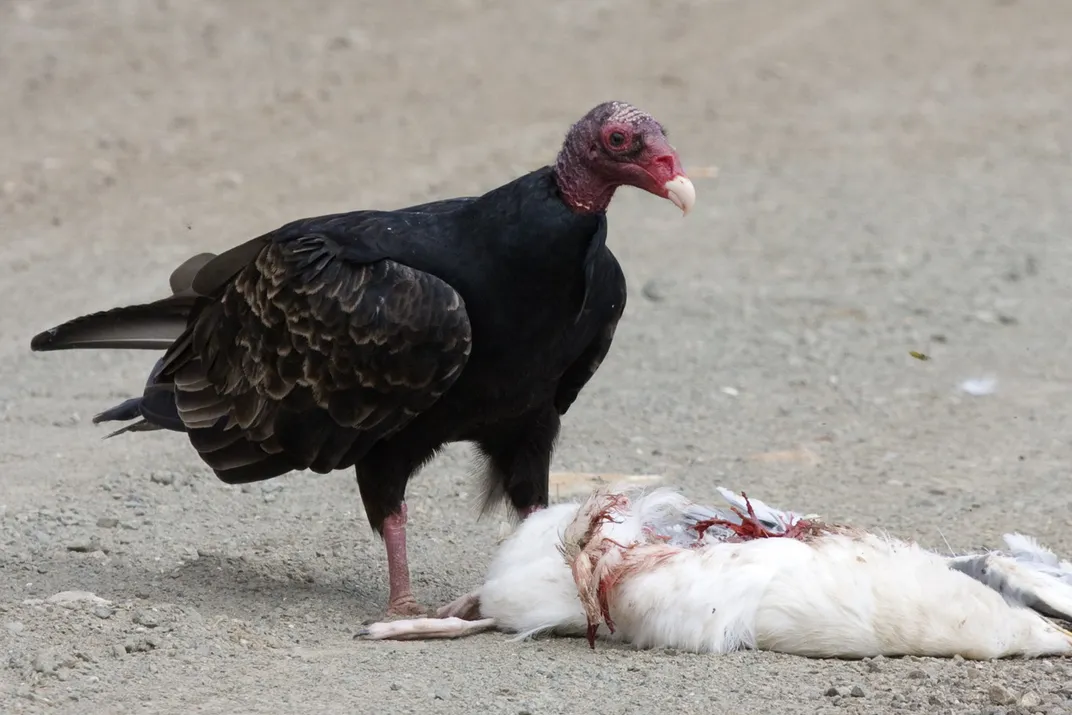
point(894, 177)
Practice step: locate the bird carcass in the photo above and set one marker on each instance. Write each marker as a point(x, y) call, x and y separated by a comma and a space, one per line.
point(655, 569)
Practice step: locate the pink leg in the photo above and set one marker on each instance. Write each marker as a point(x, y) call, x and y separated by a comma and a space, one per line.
point(401, 601)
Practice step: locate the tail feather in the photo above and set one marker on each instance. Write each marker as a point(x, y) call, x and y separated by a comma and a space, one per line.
point(139, 426)
point(149, 326)
point(156, 407)
point(123, 412)
point(1029, 576)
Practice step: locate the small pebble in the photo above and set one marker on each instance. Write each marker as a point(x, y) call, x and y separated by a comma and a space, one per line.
point(49, 661)
point(1000, 695)
point(103, 612)
point(857, 692)
point(918, 674)
point(1030, 700)
point(147, 619)
point(875, 664)
point(107, 522)
point(831, 692)
point(83, 546)
point(164, 478)
point(85, 655)
point(141, 645)
point(69, 599)
point(14, 627)
point(653, 292)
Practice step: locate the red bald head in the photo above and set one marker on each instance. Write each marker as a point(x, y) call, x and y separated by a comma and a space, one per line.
point(614, 145)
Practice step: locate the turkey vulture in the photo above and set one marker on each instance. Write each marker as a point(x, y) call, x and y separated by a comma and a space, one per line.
point(373, 338)
point(659, 571)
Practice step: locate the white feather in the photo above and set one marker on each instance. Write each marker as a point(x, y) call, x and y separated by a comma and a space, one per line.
point(528, 588)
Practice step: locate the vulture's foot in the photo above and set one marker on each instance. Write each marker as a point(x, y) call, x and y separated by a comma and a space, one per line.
point(405, 606)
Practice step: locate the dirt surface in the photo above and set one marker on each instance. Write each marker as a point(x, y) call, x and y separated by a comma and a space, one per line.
point(894, 177)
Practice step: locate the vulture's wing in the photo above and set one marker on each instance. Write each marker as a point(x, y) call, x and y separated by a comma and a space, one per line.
point(305, 355)
point(598, 267)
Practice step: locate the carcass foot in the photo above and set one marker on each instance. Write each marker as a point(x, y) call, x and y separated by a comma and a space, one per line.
point(424, 629)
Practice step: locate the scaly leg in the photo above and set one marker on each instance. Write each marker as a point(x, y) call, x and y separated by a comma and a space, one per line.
point(401, 601)
point(424, 628)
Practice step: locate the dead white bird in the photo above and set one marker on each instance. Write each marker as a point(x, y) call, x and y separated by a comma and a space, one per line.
point(657, 570)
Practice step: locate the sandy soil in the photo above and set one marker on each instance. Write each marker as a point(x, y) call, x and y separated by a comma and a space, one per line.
point(894, 177)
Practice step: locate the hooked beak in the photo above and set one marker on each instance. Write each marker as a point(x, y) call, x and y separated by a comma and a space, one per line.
point(668, 178)
point(681, 192)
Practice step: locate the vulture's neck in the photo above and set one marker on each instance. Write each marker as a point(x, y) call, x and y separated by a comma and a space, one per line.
point(581, 189)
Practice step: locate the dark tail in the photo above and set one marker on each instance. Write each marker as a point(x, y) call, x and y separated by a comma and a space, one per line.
point(154, 410)
point(150, 326)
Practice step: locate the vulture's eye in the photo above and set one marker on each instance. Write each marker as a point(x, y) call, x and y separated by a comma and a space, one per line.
point(617, 140)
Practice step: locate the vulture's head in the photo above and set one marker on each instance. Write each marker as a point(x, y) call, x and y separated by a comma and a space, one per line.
point(614, 145)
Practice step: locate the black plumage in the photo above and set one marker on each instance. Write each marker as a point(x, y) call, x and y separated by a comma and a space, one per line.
point(373, 338)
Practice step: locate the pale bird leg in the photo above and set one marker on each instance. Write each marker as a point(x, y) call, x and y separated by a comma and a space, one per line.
point(467, 607)
point(401, 601)
point(424, 628)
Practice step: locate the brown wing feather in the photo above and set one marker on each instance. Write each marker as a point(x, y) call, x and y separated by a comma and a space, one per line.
point(310, 358)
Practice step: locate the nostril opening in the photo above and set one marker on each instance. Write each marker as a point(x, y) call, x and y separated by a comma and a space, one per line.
point(665, 162)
